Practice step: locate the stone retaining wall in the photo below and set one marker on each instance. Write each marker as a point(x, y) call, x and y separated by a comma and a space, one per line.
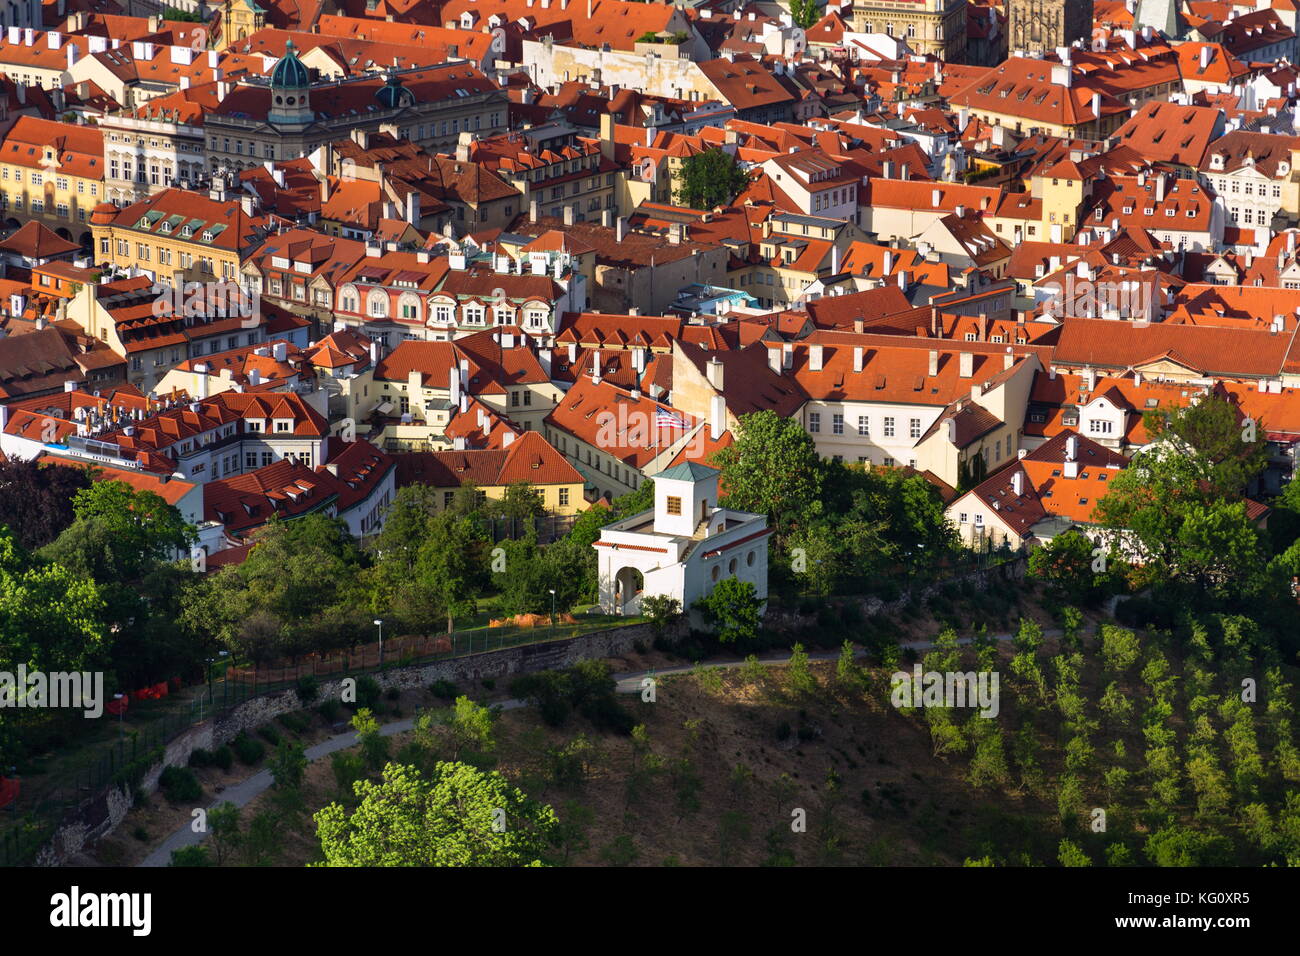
point(100, 815)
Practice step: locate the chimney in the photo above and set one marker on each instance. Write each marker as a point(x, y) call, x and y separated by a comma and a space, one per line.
point(966, 368)
point(595, 366)
point(1018, 483)
point(857, 358)
point(568, 215)
point(934, 363)
point(1160, 187)
point(620, 229)
point(717, 417)
point(815, 358)
point(1008, 360)
point(533, 214)
point(1072, 448)
point(713, 371)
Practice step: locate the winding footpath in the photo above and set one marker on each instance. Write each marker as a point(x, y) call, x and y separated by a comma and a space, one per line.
point(243, 793)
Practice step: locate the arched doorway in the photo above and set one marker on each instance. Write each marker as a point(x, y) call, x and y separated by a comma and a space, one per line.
point(86, 242)
point(628, 584)
point(63, 233)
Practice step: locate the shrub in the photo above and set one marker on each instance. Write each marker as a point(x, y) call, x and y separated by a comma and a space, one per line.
point(248, 750)
point(191, 856)
point(270, 735)
point(296, 722)
point(393, 693)
point(444, 689)
point(329, 709)
point(368, 692)
point(307, 689)
point(180, 785)
point(200, 757)
point(488, 683)
point(223, 757)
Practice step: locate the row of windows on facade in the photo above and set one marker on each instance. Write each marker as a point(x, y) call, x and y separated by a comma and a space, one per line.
point(1096, 426)
point(38, 207)
point(518, 399)
point(914, 431)
point(733, 565)
point(378, 307)
point(196, 349)
point(863, 425)
point(575, 187)
point(178, 144)
point(165, 257)
point(224, 467)
point(417, 133)
point(60, 182)
point(155, 175)
point(910, 30)
point(560, 441)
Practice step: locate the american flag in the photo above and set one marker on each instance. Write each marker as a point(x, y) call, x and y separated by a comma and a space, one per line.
point(666, 419)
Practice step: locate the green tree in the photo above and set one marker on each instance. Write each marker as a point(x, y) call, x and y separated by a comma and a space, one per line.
point(1070, 854)
point(772, 468)
point(805, 13)
point(799, 674)
point(520, 502)
point(223, 828)
point(288, 765)
point(709, 179)
point(51, 618)
point(1229, 449)
point(470, 727)
point(458, 816)
point(374, 746)
point(1169, 509)
point(298, 590)
point(1067, 563)
point(36, 499)
point(662, 610)
point(732, 609)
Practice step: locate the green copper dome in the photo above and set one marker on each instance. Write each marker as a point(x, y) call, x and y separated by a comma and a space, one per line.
point(289, 73)
point(393, 94)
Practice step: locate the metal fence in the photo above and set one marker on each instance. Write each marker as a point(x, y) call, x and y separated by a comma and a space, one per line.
point(38, 814)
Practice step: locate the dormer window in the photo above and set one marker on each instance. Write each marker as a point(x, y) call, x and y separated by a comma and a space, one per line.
point(208, 236)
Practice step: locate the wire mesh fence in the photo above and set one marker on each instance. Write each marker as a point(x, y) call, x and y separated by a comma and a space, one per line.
point(37, 816)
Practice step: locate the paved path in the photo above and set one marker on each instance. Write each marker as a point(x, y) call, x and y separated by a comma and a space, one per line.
point(243, 793)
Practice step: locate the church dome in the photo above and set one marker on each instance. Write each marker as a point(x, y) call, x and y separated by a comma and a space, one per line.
point(289, 73)
point(393, 94)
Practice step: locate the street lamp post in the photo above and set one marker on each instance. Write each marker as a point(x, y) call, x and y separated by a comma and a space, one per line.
point(380, 624)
